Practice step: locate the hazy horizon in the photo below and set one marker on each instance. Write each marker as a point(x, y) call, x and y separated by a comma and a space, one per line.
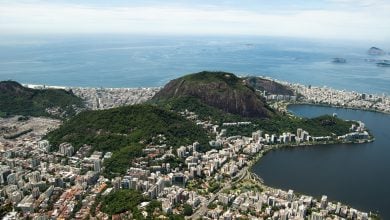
point(361, 20)
point(9, 39)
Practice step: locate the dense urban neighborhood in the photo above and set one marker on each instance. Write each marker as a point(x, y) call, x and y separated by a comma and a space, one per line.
point(333, 97)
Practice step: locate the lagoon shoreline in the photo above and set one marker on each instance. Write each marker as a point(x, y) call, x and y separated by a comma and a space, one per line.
point(374, 151)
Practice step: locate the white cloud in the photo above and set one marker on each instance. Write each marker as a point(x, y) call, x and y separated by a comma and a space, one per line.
point(363, 3)
point(54, 18)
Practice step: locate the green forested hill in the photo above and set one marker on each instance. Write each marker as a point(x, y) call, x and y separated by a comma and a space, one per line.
point(279, 123)
point(125, 130)
point(18, 100)
point(325, 125)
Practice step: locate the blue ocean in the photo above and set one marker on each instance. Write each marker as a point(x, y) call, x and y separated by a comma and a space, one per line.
point(146, 61)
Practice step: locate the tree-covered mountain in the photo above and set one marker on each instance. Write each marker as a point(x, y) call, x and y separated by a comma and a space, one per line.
point(221, 90)
point(126, 130)
point(16, 99)
point(194, 93)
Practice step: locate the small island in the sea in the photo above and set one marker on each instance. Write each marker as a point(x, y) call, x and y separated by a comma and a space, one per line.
point(384, 63)
point(339, 60)
point(376, 51)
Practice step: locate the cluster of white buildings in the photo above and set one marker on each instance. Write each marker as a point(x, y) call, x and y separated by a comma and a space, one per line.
point(328, 96)
point(279, 204)
point(46, 184)
point(104, 98)
point(275, 97)
point(342, 98)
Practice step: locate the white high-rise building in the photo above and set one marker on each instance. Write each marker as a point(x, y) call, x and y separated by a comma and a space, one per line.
point(97, 165)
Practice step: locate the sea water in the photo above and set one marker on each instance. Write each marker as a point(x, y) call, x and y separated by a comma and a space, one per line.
point(150, 61)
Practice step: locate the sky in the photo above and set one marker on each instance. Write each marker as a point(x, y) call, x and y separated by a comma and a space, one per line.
point(322, 19)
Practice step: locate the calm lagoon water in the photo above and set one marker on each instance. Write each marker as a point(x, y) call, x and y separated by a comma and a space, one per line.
point(355, 174)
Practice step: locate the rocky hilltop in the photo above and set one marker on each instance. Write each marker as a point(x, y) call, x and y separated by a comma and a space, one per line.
point(376, 51)
point(14, 87)
point(269, 86)
point(224, 91)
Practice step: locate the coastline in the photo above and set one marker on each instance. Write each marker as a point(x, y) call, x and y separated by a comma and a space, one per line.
point(319, 96)
point(43, 86)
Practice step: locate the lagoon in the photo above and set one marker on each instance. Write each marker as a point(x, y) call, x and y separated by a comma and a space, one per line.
point(355, 174)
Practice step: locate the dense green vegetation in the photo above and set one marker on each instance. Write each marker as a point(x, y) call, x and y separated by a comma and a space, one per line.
point(320, 126)
point(18, 100)
point(121, 158)
point(125, 130)
point(187, 210)
point(325, 125)
point(204, 112)
point(213, 187)
point(211, 77)
point(122, 200)
point(5, 208)
point(108, 130)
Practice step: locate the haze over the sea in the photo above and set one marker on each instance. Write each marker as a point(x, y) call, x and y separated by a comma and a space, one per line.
point(149, 61)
